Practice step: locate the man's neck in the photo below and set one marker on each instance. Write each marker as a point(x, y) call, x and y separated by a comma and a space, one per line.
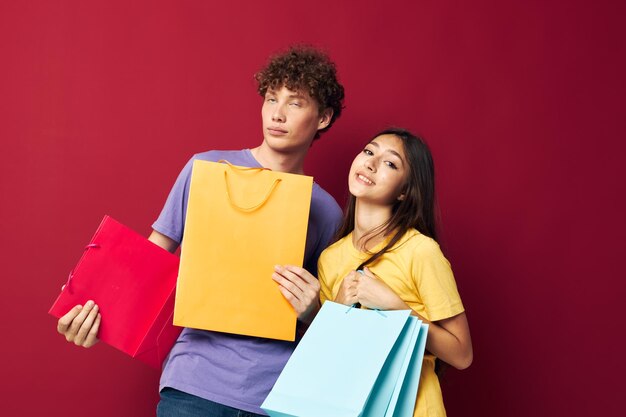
point(277, 161)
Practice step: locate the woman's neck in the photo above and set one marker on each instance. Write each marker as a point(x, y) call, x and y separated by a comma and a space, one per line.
point(368, 217)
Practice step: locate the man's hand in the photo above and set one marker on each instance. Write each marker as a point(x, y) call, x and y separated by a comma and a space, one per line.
point(80, 325)
point(300, 288)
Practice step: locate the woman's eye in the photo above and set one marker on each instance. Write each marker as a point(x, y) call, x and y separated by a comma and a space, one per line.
point(295, 104)
point(367, 152)
point(391, 165)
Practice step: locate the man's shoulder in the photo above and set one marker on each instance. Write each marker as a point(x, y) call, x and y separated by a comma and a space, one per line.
point(321, 199)
point(232, 156)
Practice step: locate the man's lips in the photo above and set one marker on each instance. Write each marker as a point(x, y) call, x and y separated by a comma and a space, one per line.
point(277, 131)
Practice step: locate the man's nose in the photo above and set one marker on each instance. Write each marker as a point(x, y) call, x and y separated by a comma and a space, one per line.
point(278, 115)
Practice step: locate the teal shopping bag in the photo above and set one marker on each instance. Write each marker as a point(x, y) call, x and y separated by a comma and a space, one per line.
point(348, 364)
point(393, 372)
point(402, 402)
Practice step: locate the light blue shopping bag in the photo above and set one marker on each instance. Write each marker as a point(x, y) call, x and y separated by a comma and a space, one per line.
point(350, 363)
point(404, 394)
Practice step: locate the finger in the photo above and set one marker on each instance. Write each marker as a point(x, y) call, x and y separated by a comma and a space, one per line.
point(348, 288)
point(302, 273)
point(293, 300)
point(350, 278)
point(346, 299)
point(85, 328)
point(355, 276)
point(368, 272)
point(92, 336)
point(364, 282)
point(291, 276)
point(64, 322)
point(78, 321)
point(287, 285)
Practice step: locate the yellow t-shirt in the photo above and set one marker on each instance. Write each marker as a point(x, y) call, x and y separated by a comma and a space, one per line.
point(417, 271)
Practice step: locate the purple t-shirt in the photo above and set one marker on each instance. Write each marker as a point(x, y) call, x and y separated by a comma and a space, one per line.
point(233, 370)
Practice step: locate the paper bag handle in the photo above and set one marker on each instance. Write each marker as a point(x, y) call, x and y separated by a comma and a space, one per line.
point(255, 206)
point(71, 274)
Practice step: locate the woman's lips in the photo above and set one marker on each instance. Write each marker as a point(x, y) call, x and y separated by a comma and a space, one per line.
point(365, 180)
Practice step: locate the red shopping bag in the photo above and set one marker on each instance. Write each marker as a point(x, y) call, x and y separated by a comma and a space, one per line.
point(133, 282)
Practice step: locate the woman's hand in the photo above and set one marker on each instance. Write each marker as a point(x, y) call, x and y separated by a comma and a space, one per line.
point(373, 293)
point(300, 288)
point(347, 293)
point(80, 325)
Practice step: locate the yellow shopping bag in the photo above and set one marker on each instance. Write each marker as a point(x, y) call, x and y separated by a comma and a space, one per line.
point(240, 223)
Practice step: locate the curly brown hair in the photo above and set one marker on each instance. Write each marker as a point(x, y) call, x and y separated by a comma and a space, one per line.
point(305, 69)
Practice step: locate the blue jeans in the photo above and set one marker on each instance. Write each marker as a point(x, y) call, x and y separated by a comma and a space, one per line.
point(176, 403)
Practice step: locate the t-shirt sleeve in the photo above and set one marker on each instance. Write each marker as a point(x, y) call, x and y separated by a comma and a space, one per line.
point(327, 219)
point(326, 292)
point(171, 221)
point(435, 282)
point(325, 240)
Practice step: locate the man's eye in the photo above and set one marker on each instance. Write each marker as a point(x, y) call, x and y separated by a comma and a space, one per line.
point(295, 104)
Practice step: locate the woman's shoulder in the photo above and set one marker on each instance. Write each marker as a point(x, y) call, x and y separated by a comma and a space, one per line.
point(417, 242)
point(336, 248)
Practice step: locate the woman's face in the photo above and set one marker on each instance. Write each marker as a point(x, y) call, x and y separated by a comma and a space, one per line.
point(378, 174)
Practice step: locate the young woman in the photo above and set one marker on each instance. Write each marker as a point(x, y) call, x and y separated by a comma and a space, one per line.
point(389, 234)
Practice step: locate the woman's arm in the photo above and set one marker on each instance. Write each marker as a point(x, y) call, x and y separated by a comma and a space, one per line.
point(448, 339)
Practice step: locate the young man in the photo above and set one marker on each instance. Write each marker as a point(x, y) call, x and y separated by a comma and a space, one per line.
point(218, 374)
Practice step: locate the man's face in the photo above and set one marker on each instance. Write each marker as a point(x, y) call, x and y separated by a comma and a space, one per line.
point(291, 119)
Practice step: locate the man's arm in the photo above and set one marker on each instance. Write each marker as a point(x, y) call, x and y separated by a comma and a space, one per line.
point(163, 241)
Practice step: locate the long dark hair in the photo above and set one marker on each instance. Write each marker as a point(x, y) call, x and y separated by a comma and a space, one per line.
point(416, 210)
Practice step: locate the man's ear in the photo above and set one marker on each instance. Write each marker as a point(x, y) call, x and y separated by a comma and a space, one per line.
point(325, 119)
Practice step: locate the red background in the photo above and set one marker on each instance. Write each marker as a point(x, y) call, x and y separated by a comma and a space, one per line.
point(101, 104)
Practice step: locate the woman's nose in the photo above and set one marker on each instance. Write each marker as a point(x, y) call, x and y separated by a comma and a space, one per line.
point(370, 164)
